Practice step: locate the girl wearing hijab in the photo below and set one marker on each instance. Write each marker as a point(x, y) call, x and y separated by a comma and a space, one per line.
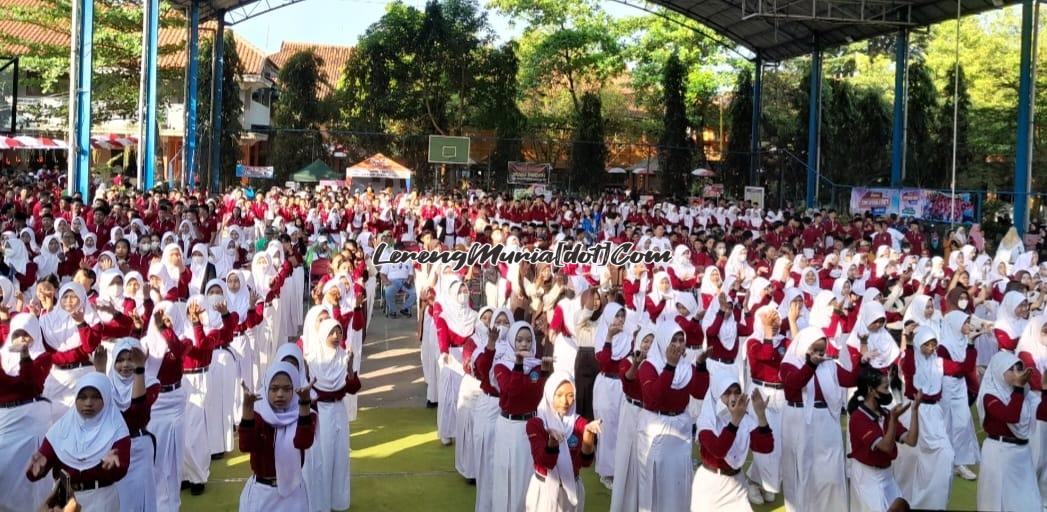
point(765, 349)
point(166, 341)
point(921, 310)
point(326, 470)
point(1032, 351)
point(455, 324)
point(667, 381)
point(134, 397)
point(726, 431)
point(1008, 411)
point(47, 261)
point(16, 265)
point(681, 270)
point(24, 415)
point(267, 282)
point(136, 302)
point(873, 432)
point(607, 390)
point(958, 357)
point(870, 338)
point(793, 296)
point(276, 430)
point(812, 448)
point(202, 270)
point(223, 372)
point(521, 379)
point(249, 310)
point(486, 411)
point(208, 328)
point(721, 329)
point(91, 443)
point(625, 488)
point(660, 304)
point(562, 442)
point(173, 274)
point(465, 460)
point(918, 469)
point(1011, 320)
point(71, 339)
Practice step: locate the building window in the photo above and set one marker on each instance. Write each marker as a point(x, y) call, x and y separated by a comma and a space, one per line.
point(262, 96)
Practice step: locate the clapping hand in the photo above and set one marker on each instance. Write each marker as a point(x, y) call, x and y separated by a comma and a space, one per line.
point(738, 408)
point(99, 358)
point(899, 410)
point(37, 463)
point(759, 402)
point(304, 391)
point(111, 460)
point(592, 429)
point(77, 316)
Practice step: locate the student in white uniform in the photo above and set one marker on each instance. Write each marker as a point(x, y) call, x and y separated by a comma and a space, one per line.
point(1008, 410)
point(275, 430)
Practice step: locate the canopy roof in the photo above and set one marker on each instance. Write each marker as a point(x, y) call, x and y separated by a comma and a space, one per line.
point(316, 171)
point(776, 30)
point(378, 166)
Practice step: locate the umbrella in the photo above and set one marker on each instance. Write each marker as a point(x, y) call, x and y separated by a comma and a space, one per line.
point(702, 172)
point(615, 170)
point(642, 170)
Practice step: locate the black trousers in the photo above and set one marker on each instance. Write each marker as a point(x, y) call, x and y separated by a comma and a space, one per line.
point(585, 371)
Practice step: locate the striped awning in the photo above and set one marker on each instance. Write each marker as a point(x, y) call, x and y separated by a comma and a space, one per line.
point(27, 142)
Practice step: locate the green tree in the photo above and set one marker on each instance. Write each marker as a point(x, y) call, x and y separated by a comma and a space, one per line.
point(740, 113)
point(675, 149)
point(298, 114)
point(588, 150)
point(921, 120)
point(502, 112)
point(232, 108)
point(117, 55)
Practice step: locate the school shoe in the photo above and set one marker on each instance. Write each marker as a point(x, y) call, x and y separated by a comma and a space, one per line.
point(755, 494)
point(406, 313)
point(196, 489)
point(768, 496)
point(607, 481)
point(964, 472)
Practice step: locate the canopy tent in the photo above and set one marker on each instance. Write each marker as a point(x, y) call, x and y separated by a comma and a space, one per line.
point(27, 142)
point(379, 167)
point(316, 171)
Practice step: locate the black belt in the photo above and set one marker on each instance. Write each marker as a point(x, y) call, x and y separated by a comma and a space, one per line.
point(926, 400)
point(721, 361)
point(772, 385)
point(19, 403)
point(613, 376)
point(167, 388)
point(328, 400)
point(71, 366)
point(271, 482)
point(1009, 440)
point(90, 485)
point(518, 417)
point(138, 432)
point(724, 472)
point(192, 371)
point(670, 413)
point(539, 476)
point(817, 405)
point(637, 403)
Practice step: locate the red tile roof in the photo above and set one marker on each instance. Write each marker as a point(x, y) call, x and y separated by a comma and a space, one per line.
point(334, 58)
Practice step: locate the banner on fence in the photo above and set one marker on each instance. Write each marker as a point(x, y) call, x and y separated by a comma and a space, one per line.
point(528, 173)
point(917, 203)
point(755, 196)
point(251, 171)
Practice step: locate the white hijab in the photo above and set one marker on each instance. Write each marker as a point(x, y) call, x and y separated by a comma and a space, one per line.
point(12, 359)
point(199, 270)
point(460, 318)
point(239, 302)
point(952, 335)
point(123, 386)
point(563, 474)
point(328, 365)
point(656, 356)
point(915, 312)
point(883, 351)
point(622, 343)
point(929, 369)
point(60, 331)
point(19, 257)
point(993, 384)
point(728, 327)
point(1007, 319)
point(80, 442)
point(715, 417)
point(505, 348)
point(825, 375)
point(286, 457)
point(154, 342)
point(1034, 343)
point(681, 264)
point(47, 261)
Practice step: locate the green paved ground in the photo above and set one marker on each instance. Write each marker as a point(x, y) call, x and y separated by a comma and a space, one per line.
point(399, 465)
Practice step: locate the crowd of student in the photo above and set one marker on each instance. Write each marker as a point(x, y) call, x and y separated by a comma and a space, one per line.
point(140, 332)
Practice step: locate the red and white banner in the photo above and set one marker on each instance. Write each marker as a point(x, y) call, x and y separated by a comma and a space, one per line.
point(113, 141)
point(26, 142)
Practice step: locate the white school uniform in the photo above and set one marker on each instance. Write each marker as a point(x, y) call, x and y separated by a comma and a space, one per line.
point(326, 472)
point(22, 431)
point(465, 456)
point(625, 489)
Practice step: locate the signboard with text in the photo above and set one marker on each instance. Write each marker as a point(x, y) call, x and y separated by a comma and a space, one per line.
point(528, 173)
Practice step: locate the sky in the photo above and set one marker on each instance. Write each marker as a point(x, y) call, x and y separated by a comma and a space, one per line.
point(342, 22)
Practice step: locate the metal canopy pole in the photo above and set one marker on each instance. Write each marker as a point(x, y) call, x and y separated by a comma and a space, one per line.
point(147, 95)
point(1023, 143)
point(217, 75)
point(754, 150)
point(901, 108)
point(192, 71)
point(814, 124)
point(80, 66)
